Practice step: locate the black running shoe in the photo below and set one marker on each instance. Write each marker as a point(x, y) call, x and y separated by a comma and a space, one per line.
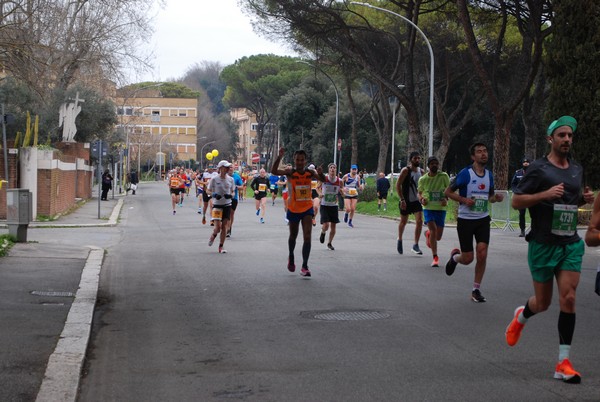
point(329, 246)
point(322, 237)
point(451, 264)
point(399, 246)
point(477, 297)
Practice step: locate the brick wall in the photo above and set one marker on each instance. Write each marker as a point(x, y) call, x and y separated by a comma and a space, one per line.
point(60, 181)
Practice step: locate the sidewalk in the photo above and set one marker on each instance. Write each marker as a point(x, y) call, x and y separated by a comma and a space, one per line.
point(48, 291)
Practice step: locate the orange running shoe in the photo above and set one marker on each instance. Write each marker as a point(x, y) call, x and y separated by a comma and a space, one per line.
point(513, 331)
point(564, 371)
point(436, 262)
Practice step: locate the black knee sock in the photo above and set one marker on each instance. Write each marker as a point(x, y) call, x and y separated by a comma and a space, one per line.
point(566, 327)
point(527, 312)
point(305, 254)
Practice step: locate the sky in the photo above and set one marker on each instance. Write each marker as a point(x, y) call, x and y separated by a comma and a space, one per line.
point(217, 30)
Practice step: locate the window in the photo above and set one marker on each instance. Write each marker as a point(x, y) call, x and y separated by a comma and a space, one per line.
point(253, 141)
point(254, 127)
point(155, 116)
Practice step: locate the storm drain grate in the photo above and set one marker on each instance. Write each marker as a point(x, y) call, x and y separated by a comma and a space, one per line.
point(52, 294)
point(351, 315)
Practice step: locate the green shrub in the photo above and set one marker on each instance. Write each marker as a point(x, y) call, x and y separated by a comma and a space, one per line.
point(6, 242)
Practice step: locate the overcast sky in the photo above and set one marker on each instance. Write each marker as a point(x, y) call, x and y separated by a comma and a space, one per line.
point(219, 31)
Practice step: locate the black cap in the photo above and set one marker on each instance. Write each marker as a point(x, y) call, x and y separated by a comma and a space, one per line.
point(525, 159)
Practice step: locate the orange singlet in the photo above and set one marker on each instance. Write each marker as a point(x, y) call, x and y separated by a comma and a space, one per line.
point(299, 190)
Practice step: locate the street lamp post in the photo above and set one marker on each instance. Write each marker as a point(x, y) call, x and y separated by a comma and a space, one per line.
point(160, 151)
point(337, 106)
point(202, 154)
point(432, 67)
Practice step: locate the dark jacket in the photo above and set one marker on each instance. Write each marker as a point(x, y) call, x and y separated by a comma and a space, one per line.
point(383, 185)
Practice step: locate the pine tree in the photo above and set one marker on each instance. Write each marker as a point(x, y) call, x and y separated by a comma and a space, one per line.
point(574, 77)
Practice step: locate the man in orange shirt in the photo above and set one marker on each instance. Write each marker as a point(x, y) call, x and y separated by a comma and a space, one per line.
point(300, 206)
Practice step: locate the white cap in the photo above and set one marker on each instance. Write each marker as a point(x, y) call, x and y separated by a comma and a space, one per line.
point(223, 163)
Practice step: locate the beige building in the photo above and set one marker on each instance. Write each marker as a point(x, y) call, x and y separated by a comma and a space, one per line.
point(153, 124)
point(246, 144)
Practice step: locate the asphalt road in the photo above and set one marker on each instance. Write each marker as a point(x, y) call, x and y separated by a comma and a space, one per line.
point(176, 321)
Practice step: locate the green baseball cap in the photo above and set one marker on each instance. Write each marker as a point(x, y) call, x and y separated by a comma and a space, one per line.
point(562, 121)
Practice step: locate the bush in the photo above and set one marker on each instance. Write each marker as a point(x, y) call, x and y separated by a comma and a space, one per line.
point(368, 194)
point(6, 242)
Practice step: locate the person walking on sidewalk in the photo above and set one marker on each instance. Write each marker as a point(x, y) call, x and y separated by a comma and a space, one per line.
point(518, 176)
point(133, 181)
point(300, 208)
point(552, 189)
point(107, 181)
point(383, 187)
point(260, 184)
point(475, 185)
point(221, 188)
point(431, 194)
point(406, 187)
point(330, 188)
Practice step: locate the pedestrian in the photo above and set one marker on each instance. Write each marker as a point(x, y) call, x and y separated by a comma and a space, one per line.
point(431, 194)
point(517, 177)
point(260, 184)
point(383, 186)
point(592, 236)
point(330, 188)
point(300, 208)
point(552, 189)
point(406, 187)
point(133, 180)
point(475, 185)
point(221, 188)
point(351, 188)
point(107, 184)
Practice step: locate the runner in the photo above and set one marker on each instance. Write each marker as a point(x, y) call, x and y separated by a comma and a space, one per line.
point(431, 194)
point(273, 188)
point(476, 190)
point(406, 187)
point(239, 184)
point(221, 188)
point(260, 184)
point(182, 189)
point(315, 190)
point(330, 188)
point(351, 187)
point(207, 201)
point(592, 236)
point(284, 194)
point(174, 183)
point(199, 190)
point(299, 205)
point(552, 189)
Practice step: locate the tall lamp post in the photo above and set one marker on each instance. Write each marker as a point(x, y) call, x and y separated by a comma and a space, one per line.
point(202, 153)
point(432, 67)
point(160, 151)
point(337, 106)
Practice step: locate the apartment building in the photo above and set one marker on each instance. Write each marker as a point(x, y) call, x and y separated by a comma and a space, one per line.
point(152, 124)
point(246, 145)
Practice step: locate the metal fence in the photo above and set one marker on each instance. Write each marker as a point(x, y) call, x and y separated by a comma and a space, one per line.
point(500, 212)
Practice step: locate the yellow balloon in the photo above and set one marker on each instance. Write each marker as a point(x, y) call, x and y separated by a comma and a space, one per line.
point(209, 156)
point(215, 153)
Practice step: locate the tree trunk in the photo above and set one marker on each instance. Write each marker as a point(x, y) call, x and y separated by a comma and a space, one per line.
point(501, 147)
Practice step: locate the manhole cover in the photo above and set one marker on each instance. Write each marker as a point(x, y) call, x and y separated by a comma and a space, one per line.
point(52, 294)
point(351, 315)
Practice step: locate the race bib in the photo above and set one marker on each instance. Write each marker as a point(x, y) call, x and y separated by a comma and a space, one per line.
point(330, 197)
point(352, 191)
point(217, 213)
point(436, 196)
point(272, 187)
point(564, 220)
point(302, 193)
point(262, 188)
point(481, 203)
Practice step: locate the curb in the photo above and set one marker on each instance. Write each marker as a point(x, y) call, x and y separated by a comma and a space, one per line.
point(63, 372)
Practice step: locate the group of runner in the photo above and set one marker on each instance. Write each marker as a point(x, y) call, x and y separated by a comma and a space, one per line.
point(552, 190)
